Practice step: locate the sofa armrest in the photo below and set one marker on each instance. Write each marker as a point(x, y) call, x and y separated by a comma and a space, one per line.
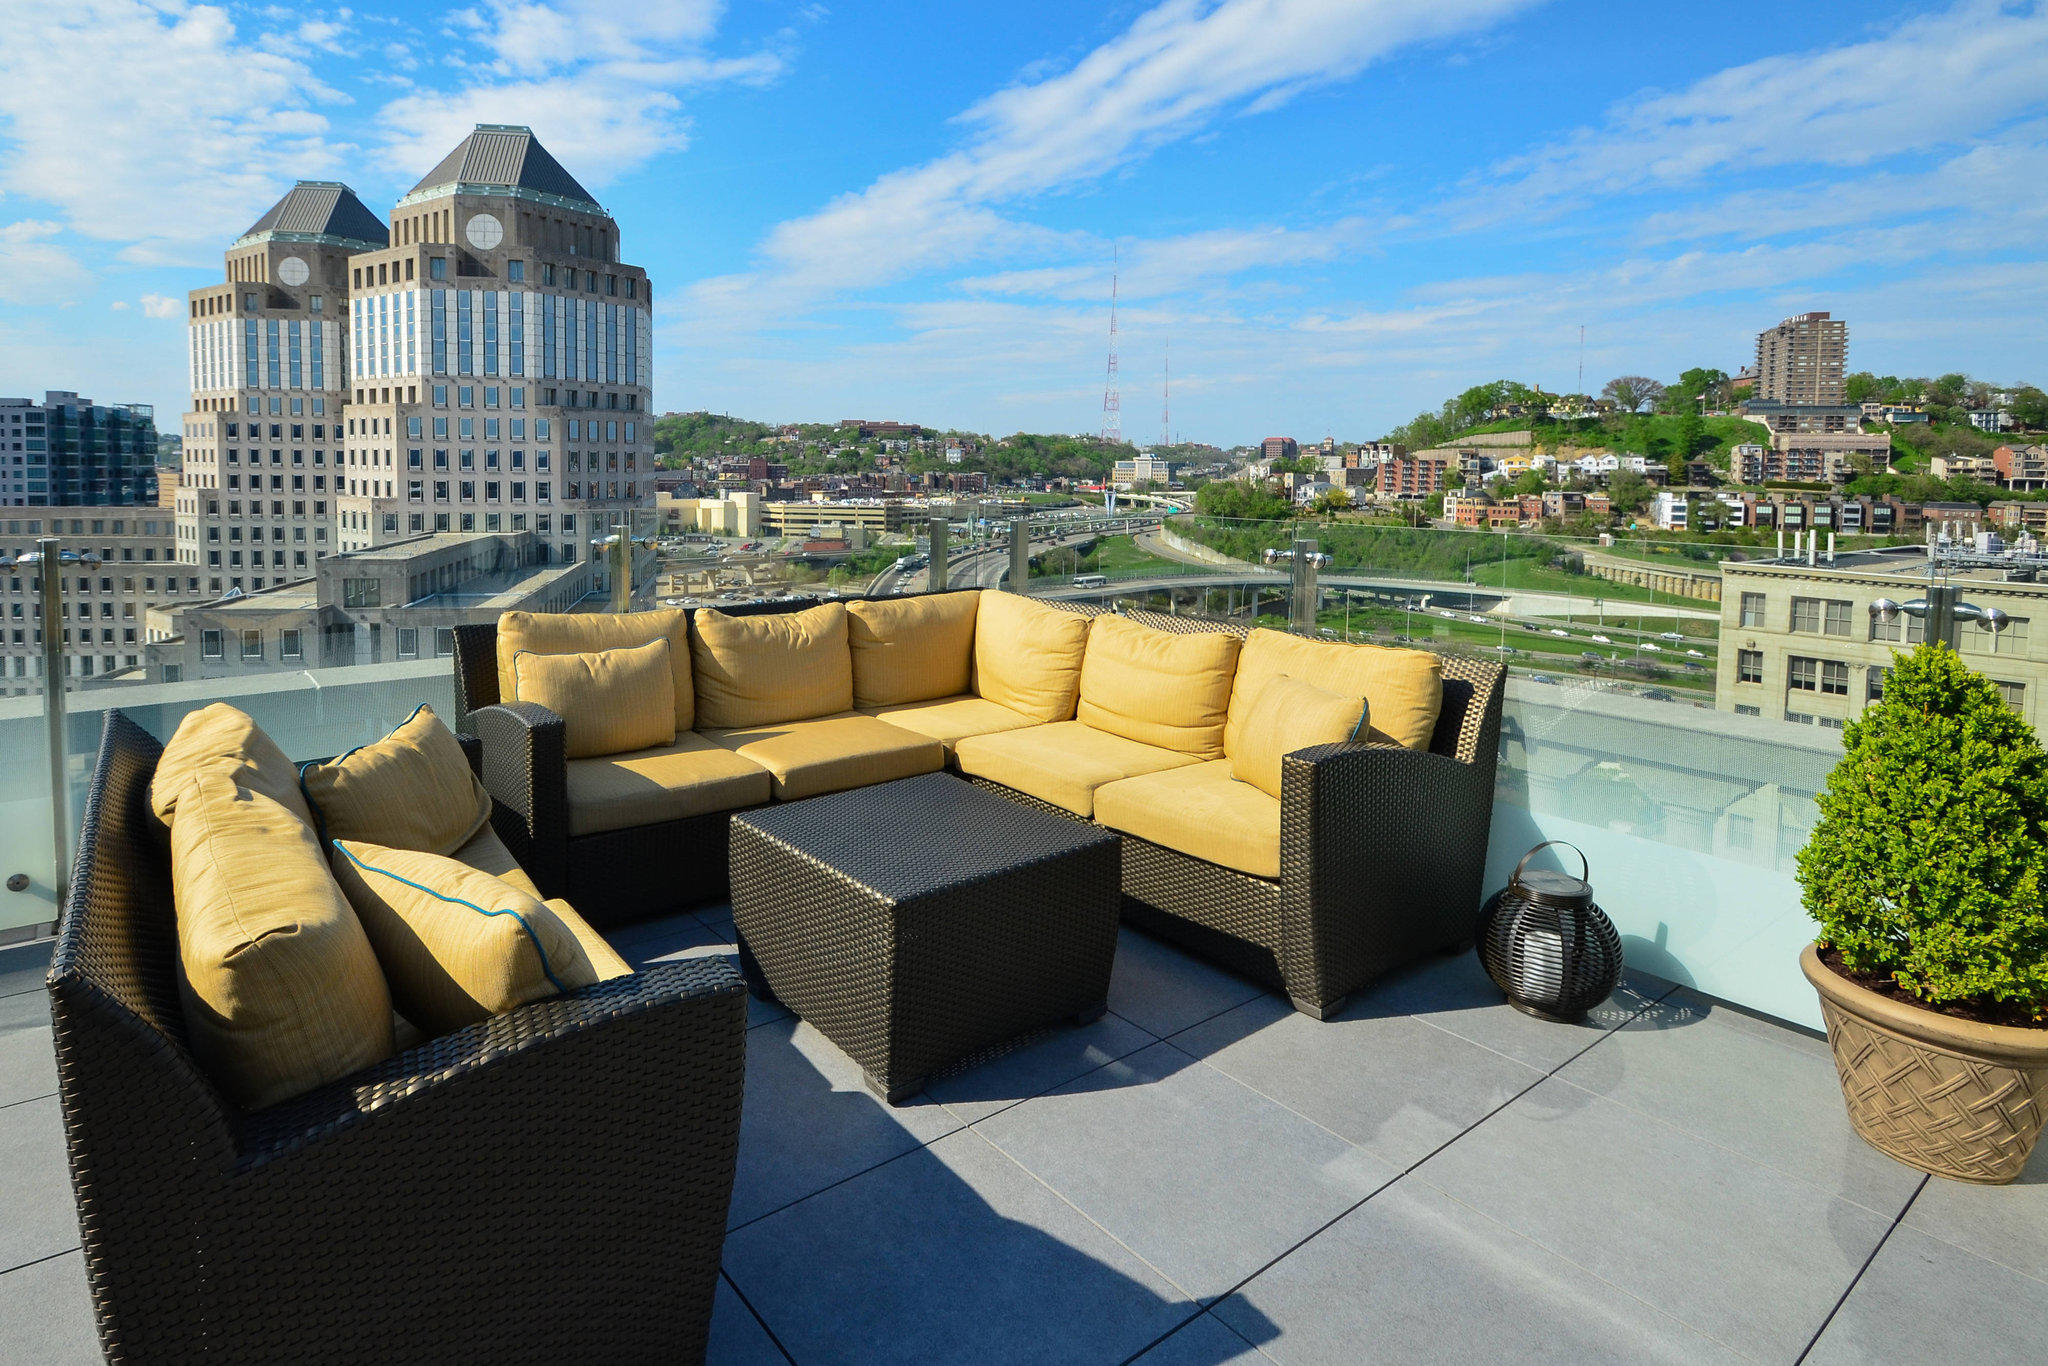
point(526, 772)
point(1382, 851)
point(608, 1048)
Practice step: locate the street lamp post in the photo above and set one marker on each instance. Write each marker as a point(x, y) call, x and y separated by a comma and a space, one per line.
point(1942, 609)
point(50, 559)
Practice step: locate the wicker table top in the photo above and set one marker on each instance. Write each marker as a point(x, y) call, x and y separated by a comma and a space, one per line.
point(918, 835)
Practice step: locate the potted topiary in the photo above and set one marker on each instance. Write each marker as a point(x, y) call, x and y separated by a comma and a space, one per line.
point(1928, 873)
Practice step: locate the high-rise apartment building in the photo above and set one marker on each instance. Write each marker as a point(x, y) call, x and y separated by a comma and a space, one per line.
point(105, 606)
point(500, 359)
point(71, 451)
point(1802, 360)
point(262, 445)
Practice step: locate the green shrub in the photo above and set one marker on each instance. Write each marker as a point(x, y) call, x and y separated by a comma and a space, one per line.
point(1930, 861)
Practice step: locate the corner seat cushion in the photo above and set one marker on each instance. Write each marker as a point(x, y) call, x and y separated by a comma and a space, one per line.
point(1200, 811)
point(1158, 687)
point(413, 789)
point(1404, 689)
point(281, 989)
point(692, 777)
point(486, 853)
point(770, 668)
point(1027, 655)
point(1062, 763)
point(610, 701)
point(582, 633)
point(604, 959)
point(911, 649)
point(949, 720)
point(821, 754)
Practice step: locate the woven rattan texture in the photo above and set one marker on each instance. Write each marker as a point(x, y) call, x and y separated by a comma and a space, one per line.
point(1557, 960)
point(1939, 1111)
point(951, 964)
point(550, 1185)
point(476, 670)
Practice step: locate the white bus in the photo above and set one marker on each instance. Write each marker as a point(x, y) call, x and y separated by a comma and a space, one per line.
point(1091, 580)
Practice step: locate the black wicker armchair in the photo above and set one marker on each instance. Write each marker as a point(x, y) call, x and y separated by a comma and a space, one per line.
point(549, 1185)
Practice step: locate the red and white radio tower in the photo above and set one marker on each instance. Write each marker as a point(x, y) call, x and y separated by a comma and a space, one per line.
point(1112, 401)
point(1166, 396)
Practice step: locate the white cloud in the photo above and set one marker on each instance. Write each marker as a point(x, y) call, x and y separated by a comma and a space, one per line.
point(1932, 80)
point(119, 305)
point(34, 268)
point(155, 127)
point(161, 306)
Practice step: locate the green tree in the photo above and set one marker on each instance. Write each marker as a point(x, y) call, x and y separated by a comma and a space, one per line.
point(1693, 385)
point(1861, 387)
point(1632, 393)
point(1929, 864)
point(1628, 491)
point(1242, 498)
point(1690, 437)
point(2030, 407)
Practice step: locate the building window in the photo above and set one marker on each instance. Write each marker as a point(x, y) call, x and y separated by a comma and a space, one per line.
point(1748, 711)
point(437, 267)
point(1907, 630)
point(290, 645)
point(1979, 639)
point(1836, 618)
point(2014, 695)
point(444, 641)
point(1834, 678)
point(252, 645)
point(1829, 617)
point(408, 642)
point(1873, 683)
point(1749, 666)
point(1805, 674)
point(1752, 609)
point(210, 645)
point(360, 593)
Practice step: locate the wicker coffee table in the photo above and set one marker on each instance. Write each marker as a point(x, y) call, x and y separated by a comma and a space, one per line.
point(918, 922)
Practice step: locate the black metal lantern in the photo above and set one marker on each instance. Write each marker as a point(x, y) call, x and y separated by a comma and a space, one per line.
point(1550, 950)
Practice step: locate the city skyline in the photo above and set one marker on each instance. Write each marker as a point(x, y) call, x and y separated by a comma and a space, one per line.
point(1339, 212)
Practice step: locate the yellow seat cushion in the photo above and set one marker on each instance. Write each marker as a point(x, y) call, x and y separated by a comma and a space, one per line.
point(281, 990)
point(821, 754)
point(911, 649)
point(413, 789)
point(1200, 811)
point(1404, 688)
point(1027, 656)
point(689, 777)
point(759, 671)
point(604, 959)
point(486, 853)
point(610, 701)
point(1062, 762)
point(582, 633)
point(1288, 715)
point(1158, 687)
point(457, 945)
point(220, 739)
point(949, 720)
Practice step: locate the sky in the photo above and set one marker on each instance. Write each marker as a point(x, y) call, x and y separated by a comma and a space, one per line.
point(1327, 214)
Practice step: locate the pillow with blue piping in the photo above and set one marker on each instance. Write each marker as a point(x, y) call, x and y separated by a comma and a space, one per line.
point(413, 789)
point(456, 944)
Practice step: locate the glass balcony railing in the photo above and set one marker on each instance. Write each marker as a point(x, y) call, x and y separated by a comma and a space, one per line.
point(1671, 707)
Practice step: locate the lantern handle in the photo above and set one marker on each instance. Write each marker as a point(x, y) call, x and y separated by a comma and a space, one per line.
point(1585, 868)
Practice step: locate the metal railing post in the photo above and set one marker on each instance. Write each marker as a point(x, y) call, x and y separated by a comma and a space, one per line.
point(622, 568)
point(1020, 554)
point(50, 564)
point(1302, 613)
point(935, 575)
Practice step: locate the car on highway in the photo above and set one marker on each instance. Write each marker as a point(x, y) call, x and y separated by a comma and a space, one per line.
point(1479, 619)
point(1541, 678)
point(1695, 654)
point(1653, 648)
point(1559, 631)
point(1603, 640)
point(1671, 635)
point(1658, 695)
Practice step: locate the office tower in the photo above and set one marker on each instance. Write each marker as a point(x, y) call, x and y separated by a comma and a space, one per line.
point(499, 359)
point(262, 443)
point(71, 451)
point(1802, 360)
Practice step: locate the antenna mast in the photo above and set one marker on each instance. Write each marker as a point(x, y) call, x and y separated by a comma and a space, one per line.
point(1112, 401)
point(1582, 358)
point(1166, 398)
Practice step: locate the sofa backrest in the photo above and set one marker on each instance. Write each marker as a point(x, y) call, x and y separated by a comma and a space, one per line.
point(1166, 689)
point(1028, 654)
point(912, 649)
point(575, 633)
point(762, 671)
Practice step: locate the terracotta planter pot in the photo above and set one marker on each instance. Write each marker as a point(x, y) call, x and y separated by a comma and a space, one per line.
point(1952, 1097)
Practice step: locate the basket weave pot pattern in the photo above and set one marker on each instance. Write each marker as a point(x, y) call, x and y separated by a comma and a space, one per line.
point(1967, 1106)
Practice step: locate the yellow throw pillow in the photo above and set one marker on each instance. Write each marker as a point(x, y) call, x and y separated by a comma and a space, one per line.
point(1158, 687)
point(1288, 715)
point(764, 670)
point(414, 789)
point(911, 649)
point(281, 990)
point(456, 944)
point(1404, 688)
point(1027, 656)
point(582, 633)
point(219, 739)
point(610, 702)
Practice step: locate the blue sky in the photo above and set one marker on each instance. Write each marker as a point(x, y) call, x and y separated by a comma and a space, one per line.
point(1335, 212)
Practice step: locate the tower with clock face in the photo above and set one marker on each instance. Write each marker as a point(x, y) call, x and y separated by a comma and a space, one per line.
point(500, 360)
point(257, 495)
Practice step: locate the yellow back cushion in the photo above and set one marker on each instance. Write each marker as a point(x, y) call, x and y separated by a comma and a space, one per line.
point(413, 789)
point(610, 701)
point(582, 633)
point(911, 649)
point(1404, 688)
point(456, 944)
point(758, 671)
point(219, 739)
point(1288, 715)
point(1027, 656)
point(1158, 687)
point(281, 990)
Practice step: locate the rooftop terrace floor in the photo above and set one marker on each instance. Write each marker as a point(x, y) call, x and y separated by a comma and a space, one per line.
point(1205, 1177)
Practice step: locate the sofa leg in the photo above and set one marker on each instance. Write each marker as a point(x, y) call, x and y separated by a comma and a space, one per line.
point(1328, 1011)
point(894, 1095)
point(751, 971)
point(1091, 1014)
